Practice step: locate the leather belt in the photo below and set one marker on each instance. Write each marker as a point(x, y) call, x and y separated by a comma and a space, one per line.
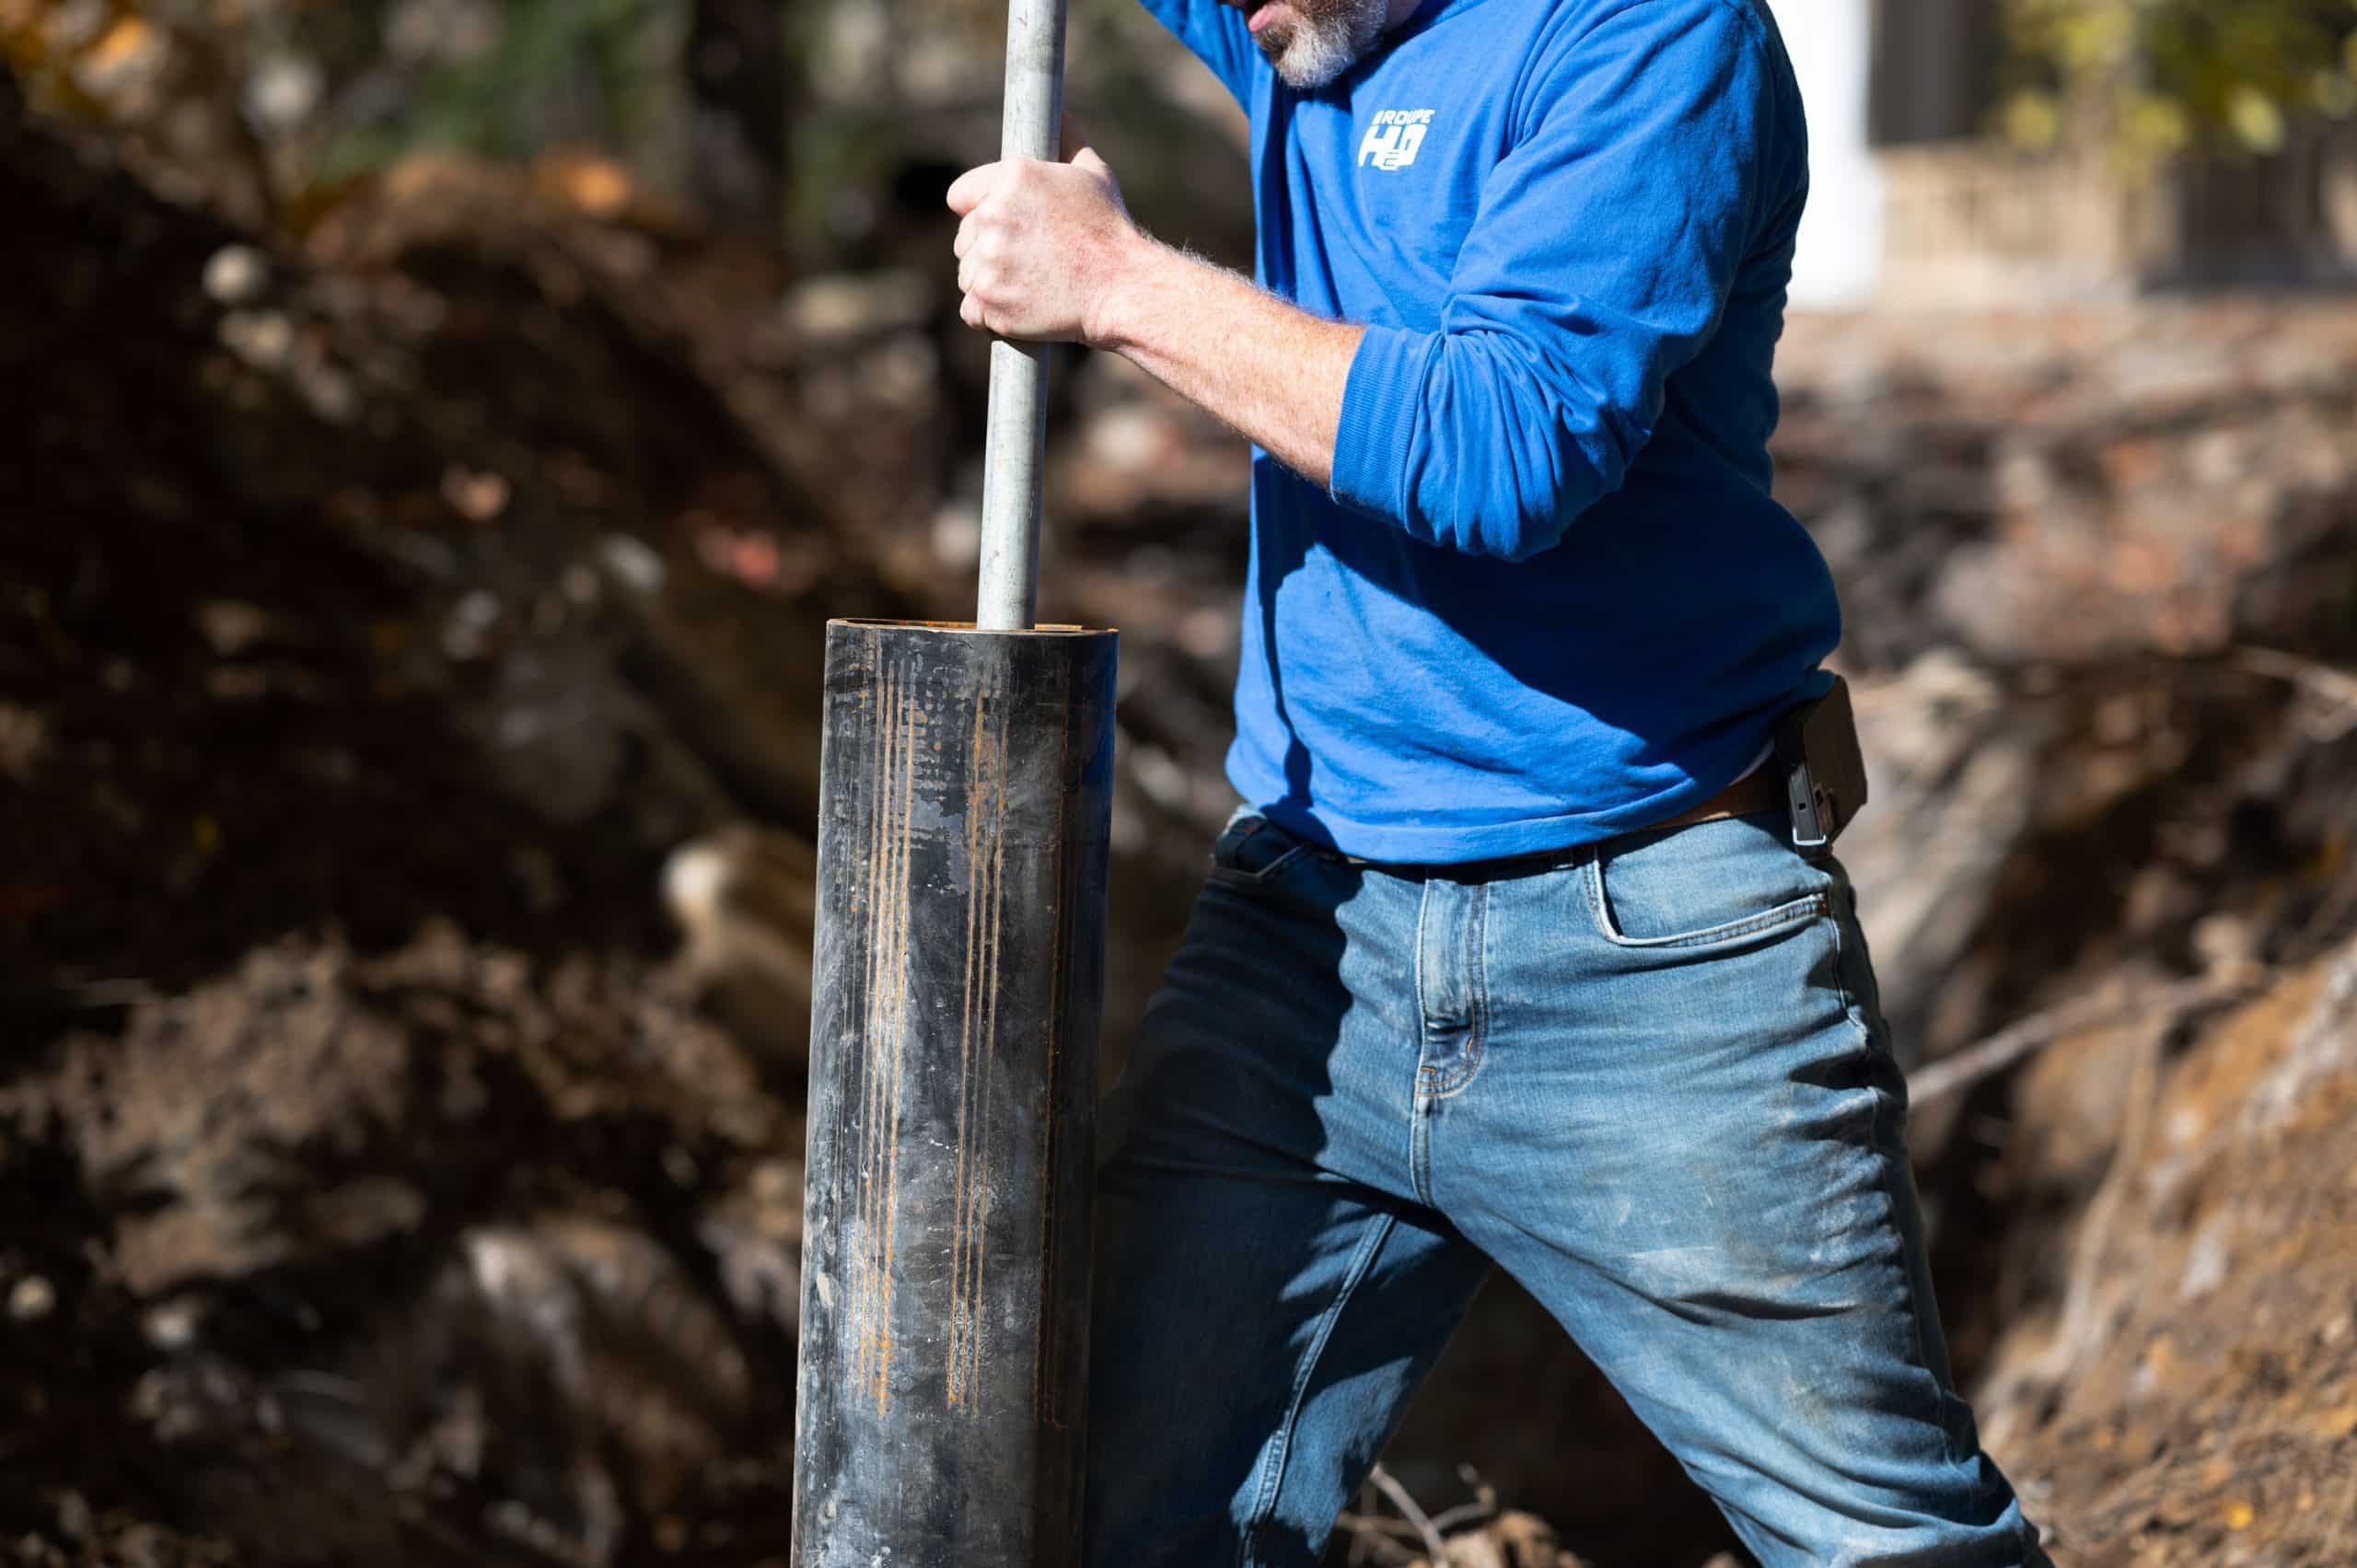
point(1751, 796)
point(1760, 791)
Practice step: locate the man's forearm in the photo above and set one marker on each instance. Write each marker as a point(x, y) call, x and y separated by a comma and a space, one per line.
point(1274, 372)
point(1048, 252)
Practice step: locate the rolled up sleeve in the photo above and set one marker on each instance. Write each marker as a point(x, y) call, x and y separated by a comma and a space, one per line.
point(1600, 260)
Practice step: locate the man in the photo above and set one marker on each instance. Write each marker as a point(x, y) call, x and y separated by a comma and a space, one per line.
point(1512, 958)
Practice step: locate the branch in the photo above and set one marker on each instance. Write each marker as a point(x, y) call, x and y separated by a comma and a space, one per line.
point(1974, 1064)
point(1389, 1486)
point(2328, 683)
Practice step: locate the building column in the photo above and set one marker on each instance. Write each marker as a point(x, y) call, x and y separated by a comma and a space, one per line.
point(1831, 43)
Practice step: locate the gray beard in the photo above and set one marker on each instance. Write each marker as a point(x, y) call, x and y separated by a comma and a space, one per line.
point(1332, 36)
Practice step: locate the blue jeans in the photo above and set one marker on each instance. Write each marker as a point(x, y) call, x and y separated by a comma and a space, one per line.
point(1649, 1079)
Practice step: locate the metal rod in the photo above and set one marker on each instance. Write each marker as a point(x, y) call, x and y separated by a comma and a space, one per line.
point(1014, 459)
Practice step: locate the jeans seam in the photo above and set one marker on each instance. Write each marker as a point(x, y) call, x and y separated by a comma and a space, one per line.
point(1420, 1150)
point(1273, 1470)
point(1423, 1013)
point(1477, 1034)
point(1854, 1011)
point(1419, 1138)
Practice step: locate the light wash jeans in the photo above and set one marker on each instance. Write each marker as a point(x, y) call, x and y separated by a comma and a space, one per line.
point(1648, 1079)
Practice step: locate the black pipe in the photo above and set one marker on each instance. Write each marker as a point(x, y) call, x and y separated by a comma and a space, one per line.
point(963, 838)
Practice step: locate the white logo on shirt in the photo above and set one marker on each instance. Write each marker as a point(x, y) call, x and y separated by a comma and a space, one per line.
point(1393, 137)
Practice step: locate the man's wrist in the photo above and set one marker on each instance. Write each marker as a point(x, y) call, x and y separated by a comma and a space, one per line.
point(1138, 266)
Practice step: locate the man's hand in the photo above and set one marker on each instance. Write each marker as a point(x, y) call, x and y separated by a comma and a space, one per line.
point(1048, 252)
point(1043, 247)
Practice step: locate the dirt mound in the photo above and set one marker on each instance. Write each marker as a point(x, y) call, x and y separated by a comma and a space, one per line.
point(370, 1189)
point(2189, 1394)
point(404, 1259)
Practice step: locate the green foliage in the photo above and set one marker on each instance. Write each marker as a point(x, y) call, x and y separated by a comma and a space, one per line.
point(2150, 78)
point(543, 73)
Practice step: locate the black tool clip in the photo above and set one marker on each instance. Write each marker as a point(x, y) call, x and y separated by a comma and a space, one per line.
point(1823, 769)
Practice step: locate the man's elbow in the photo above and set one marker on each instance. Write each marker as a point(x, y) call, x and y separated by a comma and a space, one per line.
point(1553, 463)
point(1510, 484)
point(1512, 522)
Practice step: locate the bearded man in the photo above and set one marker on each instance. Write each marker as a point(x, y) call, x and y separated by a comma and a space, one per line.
point(1517, 954)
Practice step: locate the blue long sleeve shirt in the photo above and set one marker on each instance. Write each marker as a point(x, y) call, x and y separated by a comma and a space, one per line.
point(1549, 596)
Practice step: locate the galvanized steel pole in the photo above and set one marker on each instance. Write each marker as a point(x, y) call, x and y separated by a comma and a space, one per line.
point(1018, 413)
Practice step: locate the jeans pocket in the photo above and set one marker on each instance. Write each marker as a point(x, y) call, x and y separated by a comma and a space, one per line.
point(1253, 852)
point(1717, 884)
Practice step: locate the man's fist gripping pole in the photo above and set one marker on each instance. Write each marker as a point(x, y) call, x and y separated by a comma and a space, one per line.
point(1048, 253)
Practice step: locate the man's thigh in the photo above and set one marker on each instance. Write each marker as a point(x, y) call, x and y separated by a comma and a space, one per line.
point(1252, 1354)
point(1268, 1297)
point(1686, 1138)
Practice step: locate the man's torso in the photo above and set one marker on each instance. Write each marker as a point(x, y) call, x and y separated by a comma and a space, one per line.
point(1406, 701)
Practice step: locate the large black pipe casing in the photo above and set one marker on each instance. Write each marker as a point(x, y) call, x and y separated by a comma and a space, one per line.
point(963, 846)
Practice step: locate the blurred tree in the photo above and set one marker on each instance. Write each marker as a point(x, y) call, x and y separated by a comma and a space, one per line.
point(817, 121)
point(502, 81)
point(2150, 78)
point(738, 85)
point(178, 99)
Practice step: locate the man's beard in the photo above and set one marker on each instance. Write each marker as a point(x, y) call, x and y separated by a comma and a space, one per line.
point(1329, 37)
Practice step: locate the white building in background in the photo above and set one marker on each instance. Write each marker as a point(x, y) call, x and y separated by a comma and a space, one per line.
point(1911, 204)
point(1832, 43)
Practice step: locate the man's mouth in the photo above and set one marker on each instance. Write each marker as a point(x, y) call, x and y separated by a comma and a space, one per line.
point(1258, 13)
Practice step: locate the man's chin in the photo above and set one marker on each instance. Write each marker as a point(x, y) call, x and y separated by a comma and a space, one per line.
point(1310, 52)
point(1306, 61)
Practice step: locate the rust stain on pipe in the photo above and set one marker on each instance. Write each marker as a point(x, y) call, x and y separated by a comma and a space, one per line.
point(986, 862)
point(1047, 1392)
point(899, 1056)
point(884, 1060)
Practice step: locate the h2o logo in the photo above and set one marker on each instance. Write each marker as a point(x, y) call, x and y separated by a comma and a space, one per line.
point(1394, 138)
